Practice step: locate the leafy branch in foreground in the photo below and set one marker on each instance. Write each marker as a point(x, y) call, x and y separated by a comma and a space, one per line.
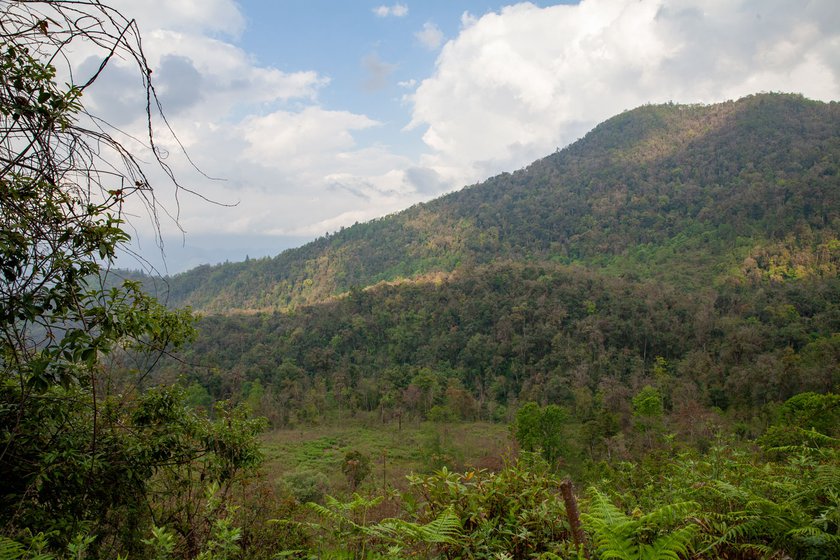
point(78, 457)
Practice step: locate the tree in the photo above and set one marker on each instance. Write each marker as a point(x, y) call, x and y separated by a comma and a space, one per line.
point(648, 412)
point(648, 403)
point(543, 429)
point(75, 455)
point(63, 189)
point(356, 467)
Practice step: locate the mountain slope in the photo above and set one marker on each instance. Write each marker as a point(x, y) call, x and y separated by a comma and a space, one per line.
point(692, 249)
point(685, 194)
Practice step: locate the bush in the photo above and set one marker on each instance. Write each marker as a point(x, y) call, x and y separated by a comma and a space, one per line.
point(356, 467)
point(306, 485)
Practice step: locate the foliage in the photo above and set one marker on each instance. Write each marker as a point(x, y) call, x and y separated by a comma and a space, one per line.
point(356, 467)
point(543, 430)
point(222, 544)
point(812, 410)
point(513, 333)
point(791, 508)
point(348, 523)
point(688, 194)
point(161, 543)
point(804, 419)
point(648, 403)
point(90, 461)
point(684, 255)
point(746, 505)
point(514, 512)
point(657, 535)
point(672, 247)
point(77, 549)
point(145, 447)
point(306, 485)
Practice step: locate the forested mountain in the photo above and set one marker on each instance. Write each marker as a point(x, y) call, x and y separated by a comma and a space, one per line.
point(691, 248)
point(652, 314)
point(692, 194)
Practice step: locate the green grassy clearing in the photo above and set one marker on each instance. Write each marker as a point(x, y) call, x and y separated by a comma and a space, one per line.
point(393, 452)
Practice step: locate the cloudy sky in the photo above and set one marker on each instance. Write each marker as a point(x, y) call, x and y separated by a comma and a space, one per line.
point(315, 114)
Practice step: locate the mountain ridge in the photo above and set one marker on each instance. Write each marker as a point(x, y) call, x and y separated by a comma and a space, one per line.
point(726, 180)
point(694, 249)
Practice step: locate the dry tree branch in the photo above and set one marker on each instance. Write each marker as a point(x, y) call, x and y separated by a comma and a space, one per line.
point(79, 154)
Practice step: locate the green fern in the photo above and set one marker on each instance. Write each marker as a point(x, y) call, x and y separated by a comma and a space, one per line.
point(641, 536)
point(9, 549)
point(442, 530)
point(389, 535)
point(791, 524)
point(13, 550)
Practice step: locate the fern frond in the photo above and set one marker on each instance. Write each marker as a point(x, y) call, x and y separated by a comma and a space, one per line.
point(815, 538)
point(604, 511)
point(442, 530)
point(827, 476)
point(12, 550)
point(619, 536)
point(670, 513)
point(673, 544)
point(757, 549)
point(806, 532)
point(9, 549)
point(334, 517)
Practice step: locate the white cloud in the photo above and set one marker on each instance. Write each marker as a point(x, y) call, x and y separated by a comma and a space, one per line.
point(509, 88)
point(292, 165)
point(198, 16)
point(231, 74)
point(467, 19)
point(430, 36)
point(377, 71)
point(198, 79)
point(397, 10)
point(297, 140)
point(515, 85)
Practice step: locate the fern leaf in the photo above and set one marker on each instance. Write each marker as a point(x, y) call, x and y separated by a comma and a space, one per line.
point(674, 544)
point(9, 549)
point(670, 513)
point(334, 517)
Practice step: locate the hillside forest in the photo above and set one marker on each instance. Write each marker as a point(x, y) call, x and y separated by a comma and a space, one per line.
point(627, 349)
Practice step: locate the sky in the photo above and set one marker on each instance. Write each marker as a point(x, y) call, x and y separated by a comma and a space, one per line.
point(306, 116)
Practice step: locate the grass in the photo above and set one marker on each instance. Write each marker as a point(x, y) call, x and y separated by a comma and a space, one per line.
point(394, 452)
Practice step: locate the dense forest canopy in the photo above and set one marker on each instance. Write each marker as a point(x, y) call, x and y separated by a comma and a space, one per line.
point(700, 240)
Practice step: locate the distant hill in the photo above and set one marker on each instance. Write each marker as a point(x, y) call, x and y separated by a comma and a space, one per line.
point(694, 195)
point(691, 248)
